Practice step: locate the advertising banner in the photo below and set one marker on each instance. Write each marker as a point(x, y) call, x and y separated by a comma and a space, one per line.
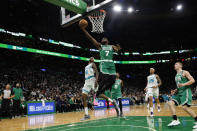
point(103, 103)
point(35, 108)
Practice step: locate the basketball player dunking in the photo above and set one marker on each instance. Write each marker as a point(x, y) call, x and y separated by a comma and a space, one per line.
point(91, 79)
point(107, 77)
point(183, 94)
point(153, 84)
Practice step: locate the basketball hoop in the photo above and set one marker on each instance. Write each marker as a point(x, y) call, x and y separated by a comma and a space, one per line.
point(97, 20)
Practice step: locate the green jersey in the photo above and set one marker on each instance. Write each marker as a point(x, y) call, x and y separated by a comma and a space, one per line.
point(180, 79)
point(18, 92)
point(116, 90)
point(71, 101)
point(184, 95)
point(107, 65)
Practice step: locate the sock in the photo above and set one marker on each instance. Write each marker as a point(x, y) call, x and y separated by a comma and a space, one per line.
point(120, 105)
point(174, 117)
point(151, 109)
point(195, 118)
point(109, 99)
point(86, 110)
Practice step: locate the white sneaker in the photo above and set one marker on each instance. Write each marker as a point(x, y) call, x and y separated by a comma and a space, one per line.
point(151, 114)
point(159, 108)
point(174, 123)
point(195, 127)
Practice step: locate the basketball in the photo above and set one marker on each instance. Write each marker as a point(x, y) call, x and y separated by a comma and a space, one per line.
point(83, 23)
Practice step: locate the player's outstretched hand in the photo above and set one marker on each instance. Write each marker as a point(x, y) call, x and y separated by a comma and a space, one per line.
point(83, 24)
point(82, 28)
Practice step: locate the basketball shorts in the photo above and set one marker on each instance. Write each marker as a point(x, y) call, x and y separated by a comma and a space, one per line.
point(88, 86)
point(105, 83)
point(108, 68)
point(108, 93)
point(183, 98)
point(154, 92)
point(110, 71)
point(116, 95)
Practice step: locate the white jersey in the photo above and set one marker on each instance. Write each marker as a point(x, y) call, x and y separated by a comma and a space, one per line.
point(89, 72)
point(89, 80)
point(152, 81)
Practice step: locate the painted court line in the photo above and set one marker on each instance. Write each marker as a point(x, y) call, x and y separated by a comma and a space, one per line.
point(111, 126)
point(78, 124)
point(89, 122)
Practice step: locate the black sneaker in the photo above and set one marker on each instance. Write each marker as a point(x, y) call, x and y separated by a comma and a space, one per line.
point(121, 114)
point(86, 117)
point(116, 107)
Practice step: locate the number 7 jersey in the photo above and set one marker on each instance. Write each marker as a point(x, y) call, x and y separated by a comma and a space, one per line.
point(107, 65)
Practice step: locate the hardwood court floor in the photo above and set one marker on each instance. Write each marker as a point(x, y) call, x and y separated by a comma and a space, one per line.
point(102, 120)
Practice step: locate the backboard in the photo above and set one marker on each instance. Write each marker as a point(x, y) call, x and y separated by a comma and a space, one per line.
point(69, 17)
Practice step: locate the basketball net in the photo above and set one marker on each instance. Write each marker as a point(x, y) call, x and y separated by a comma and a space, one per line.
point(97, 20)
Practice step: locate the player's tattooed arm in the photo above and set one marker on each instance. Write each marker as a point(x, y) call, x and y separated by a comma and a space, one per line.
point(189, 77)
point(116, 47)
point(94, 41)
point(159, 80)
point(96, 72)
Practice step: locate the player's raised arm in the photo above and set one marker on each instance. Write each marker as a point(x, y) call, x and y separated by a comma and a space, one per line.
point(83, 24)
point(116, 47)
point(159, 80)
